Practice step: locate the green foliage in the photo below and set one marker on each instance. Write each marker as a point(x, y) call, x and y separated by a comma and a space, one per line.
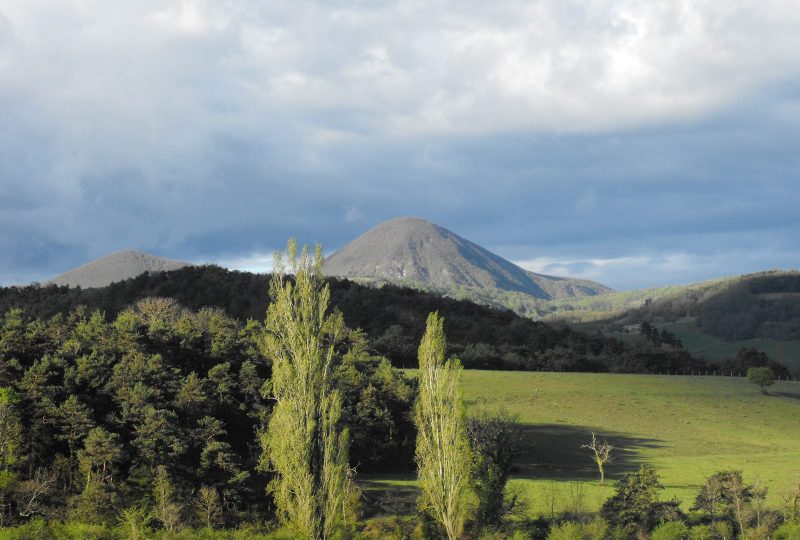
point(494, 440)
point(166, 509)
point(133, 522)
point(378, 408)
point(305, 443)
point(635, 504)
point(10, 433)
point(207, 507)
point(393, 318)
point(788, 531)
point(724, 496)
point(102, 406)
point(597, 529)
point(443, 455)
point(761, 376)
point(670, 530)
point(10, 442)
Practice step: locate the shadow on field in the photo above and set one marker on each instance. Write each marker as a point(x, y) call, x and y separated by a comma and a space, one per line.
point(789, 395)
point(388, 495)
point(548, 452)
point(554, 452)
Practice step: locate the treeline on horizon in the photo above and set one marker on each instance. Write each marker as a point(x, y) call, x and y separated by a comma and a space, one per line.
point(392, 318)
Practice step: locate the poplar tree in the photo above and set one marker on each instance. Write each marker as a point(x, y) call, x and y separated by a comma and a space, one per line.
point(305, 444)
point(443, 451)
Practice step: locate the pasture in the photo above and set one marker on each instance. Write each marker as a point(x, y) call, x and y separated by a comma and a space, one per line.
point(687, 427)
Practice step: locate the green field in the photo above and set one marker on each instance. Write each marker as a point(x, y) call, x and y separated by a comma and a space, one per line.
point(785, 352)
point(686, 427)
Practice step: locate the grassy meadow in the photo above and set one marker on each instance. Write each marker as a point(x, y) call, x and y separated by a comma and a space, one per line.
point(786, 352)
point(686, 427)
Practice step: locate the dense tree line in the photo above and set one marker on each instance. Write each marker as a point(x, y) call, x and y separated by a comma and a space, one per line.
point(392, 318)
point(163, 404)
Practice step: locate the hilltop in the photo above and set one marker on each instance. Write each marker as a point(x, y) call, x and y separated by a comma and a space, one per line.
point(114, 267)
point(421, 254)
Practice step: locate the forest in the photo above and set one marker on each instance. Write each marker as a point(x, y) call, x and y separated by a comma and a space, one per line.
point(392, 318)
point(764, 305)
point(165, 419)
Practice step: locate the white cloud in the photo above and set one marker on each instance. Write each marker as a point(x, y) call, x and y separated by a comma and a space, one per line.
point(407, 67)
point(637, 271)
point(255, 262)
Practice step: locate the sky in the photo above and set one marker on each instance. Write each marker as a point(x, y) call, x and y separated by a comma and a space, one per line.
point(635, 143)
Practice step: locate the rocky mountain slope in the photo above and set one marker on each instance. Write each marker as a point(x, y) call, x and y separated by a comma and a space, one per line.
point(117, 266)
point(416, 252)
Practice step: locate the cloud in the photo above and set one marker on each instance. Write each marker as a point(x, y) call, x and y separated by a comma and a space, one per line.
point(660, 269)
point(256, 262)
point(579, 131)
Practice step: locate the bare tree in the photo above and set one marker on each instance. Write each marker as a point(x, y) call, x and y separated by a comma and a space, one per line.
point(32, 492)
point(601, 454)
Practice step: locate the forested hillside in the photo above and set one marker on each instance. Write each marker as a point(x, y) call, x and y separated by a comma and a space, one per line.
point(764, 305)
point(392, 317)
point(95, 413)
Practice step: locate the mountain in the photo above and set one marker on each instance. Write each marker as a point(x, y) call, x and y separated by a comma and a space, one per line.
point(416, 252)
point(117, 266)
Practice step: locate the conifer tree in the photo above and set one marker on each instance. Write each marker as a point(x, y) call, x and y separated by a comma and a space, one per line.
point(443, 451)
point(305, 444)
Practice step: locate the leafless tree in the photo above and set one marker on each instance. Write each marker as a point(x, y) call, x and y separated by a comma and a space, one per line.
point(31, 493)
point(601, 454)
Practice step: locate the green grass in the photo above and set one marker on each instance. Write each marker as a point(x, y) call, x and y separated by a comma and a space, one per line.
point(686, 427)
point(786, 352)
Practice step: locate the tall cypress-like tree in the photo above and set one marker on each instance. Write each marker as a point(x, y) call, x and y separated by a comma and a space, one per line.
point(305, 443)
point(443, 451)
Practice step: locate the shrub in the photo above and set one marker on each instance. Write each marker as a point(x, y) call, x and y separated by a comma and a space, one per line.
point(597, 529)
point(82, 531)
point(670, 530)
point(788, 531)
point(701, 532)
point(569, 530)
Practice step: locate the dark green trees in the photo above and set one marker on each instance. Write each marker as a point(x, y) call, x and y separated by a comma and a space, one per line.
point(494, 439)
point(635, 505)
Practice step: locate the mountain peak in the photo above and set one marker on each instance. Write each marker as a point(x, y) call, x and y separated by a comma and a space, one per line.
point(116, 266)
point(414, 250)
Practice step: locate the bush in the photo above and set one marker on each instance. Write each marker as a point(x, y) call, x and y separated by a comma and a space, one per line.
point(570, 530)
point(670, 530)
point(82, 531)
point(36, 529)
point(787, 531)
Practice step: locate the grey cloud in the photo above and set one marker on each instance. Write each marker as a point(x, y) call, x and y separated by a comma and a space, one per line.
point(205, 132)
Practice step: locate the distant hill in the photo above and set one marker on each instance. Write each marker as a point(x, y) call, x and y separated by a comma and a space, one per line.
point(117, 266)
point(713, 319)
point(420, 254)
point(392, 317)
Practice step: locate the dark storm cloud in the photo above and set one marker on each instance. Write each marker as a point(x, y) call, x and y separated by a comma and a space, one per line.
point(626, 142)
